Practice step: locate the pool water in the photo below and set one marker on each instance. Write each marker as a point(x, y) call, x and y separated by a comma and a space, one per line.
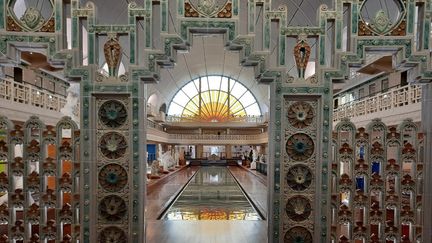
point(212, 194)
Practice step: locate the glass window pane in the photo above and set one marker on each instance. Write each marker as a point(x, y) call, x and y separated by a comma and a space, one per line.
point(224, 85)
point(232, 83)
point(175, 109)
point(238, 90)
point(181, 98)
point(214, 82)
point(247, 99)
point(204, 84)
point(253, 110)
point(216, 105)
point(190, 89)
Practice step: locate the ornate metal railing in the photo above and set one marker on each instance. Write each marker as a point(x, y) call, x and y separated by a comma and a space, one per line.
point(398, 97)
point(30, 95)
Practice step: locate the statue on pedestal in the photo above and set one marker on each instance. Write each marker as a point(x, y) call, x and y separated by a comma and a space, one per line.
point(254, 159)
point(154, 169)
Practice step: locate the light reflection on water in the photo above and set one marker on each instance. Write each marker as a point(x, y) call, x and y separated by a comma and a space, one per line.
point(212, 194)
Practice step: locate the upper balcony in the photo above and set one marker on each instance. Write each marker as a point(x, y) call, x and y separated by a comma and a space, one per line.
point(19, 101)
point(392, 107)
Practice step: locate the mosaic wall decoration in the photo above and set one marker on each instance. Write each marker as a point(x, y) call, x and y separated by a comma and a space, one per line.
point(37, 164)
point(377, 182)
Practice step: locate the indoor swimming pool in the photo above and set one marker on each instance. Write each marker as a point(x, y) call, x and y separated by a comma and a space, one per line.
point(212, 194)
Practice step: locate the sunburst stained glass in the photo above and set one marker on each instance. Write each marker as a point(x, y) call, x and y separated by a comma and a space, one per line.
point(213, 99)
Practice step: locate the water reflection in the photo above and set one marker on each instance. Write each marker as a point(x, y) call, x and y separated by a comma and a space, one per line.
point(212, 194)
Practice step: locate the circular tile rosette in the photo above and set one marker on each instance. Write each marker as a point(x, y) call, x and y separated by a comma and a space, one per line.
point(298, 234)
point(300, 146)
point(300, 114)
point(113, 177)
point(113, 234)
point(299, 177)
point(113, 145)
point(298, 208)
point(112, 208)
point(112, 114)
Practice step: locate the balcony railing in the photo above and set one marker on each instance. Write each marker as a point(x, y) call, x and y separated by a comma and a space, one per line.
point(30, 95)
point(394, 98)
point(217, 137)
point(247, 119)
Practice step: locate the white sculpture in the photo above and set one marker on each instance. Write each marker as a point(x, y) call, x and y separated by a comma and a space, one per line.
point(254, 159)
point(167, 160)
point(261, 158)
point(71, 107)
point(176, 157)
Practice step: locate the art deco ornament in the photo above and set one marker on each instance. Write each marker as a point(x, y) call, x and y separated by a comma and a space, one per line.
point(208, 8)
point(302, 52)
point(300, 147)
point(112, 51)
point(300, 114)
point(113, 177)
point(32, 18)
point(299, 177)
point(113, 234)
point(112, 114)
point(298, 235)
point(112, 208)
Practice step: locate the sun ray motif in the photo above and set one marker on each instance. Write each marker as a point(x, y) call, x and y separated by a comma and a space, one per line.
point(215, 101)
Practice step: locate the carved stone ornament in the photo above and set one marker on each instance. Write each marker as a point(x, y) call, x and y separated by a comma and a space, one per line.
point(208, 8)
point(112, 208)
point(302, 52)
point(113, 177)
point(298, 235)
point(298, 208)
point(299, 177)
point(382, 22)
point(113, 145)
point(300, 147)
point(112, 51)
point(300, 114)
point(112, 114)
point(32, 18)
point(113, 234)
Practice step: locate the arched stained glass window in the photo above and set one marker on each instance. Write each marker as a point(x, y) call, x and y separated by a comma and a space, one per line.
point(213, 99)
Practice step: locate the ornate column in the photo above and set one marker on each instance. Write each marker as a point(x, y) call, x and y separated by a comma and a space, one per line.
point(427, 162)
point(112, 155)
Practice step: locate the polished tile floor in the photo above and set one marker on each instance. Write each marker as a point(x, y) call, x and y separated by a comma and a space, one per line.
point(225, 231)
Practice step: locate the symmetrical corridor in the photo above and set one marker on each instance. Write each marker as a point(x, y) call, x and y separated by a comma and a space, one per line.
point(162, 193)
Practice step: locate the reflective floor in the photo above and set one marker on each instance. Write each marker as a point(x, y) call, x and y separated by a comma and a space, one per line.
point(212, 194)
